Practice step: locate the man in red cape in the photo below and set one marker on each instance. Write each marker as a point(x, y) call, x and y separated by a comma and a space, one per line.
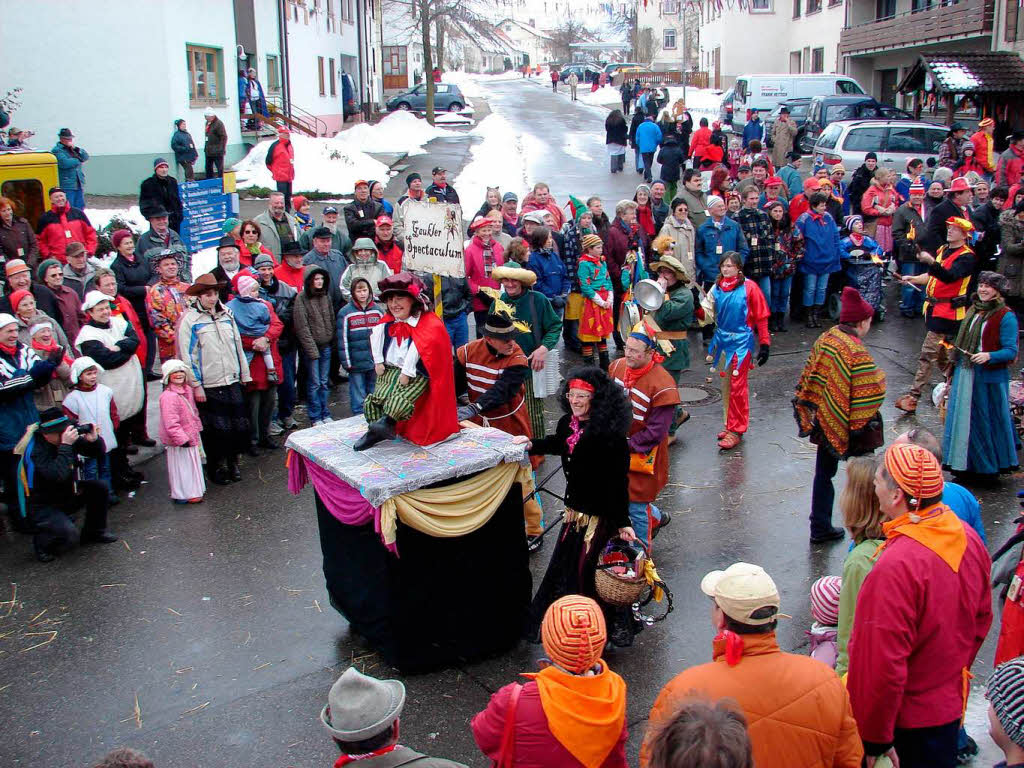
point(412, 354)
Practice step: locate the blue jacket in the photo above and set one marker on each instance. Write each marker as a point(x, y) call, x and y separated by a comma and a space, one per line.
point(754, 129)
point(792, 179)
point(709, 239)
point(69, 166)
point(354, 325)
point(846, 245)
point(648, 136)
point(184, 147)
point(821, 244)
point(20, 375)
point(964, 506)
point(552, 280)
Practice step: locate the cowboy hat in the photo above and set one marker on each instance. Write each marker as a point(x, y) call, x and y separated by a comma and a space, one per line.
point(524, 276)
point(203, 284)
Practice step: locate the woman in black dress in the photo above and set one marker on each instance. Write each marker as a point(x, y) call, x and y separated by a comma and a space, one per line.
point(591, 439)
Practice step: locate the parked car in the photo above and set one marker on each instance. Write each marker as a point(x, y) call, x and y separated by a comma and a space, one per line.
point(587, 73)
point(764, 92)
point(725, 108)
point(894, 141)
point(615, 66)
point(447, 97)
point(797, 113)
point(825, 110)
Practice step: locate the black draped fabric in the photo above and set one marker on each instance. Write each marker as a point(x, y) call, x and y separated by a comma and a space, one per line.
point(442, 601)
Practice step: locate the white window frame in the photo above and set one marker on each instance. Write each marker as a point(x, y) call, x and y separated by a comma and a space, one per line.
point(769, 9)
point(665, 36)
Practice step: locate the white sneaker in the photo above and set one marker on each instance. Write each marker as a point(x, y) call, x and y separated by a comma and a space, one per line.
point(274, 429)
point(326, 420)
point(290, 423)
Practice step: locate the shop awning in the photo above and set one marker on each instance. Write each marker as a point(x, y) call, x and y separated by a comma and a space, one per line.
point(954, 72)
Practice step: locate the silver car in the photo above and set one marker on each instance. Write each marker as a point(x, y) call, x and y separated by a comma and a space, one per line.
point(893, 141)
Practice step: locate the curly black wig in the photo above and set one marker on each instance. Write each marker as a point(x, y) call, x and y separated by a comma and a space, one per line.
point(610, 411)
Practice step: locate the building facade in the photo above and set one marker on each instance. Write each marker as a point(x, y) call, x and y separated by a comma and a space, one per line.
point(675, 33)
point(535, 44)
point(122, 105)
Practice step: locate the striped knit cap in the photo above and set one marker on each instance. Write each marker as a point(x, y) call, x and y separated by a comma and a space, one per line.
point(915, 470)
point(825, 600)
point(1005, 691)
point(589, 241)
point(573, 633)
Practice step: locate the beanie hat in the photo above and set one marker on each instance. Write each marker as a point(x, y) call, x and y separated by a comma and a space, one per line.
point(208, 112)
point(81, 365)
point(825, 600)
point(714, 200)
point(412, 177)
point(243, 282)
point(118, 236)
point(589, 241)
point(158, 162)
point(263, 260)
point(17, 297)
point(44, 265)
point(229, 225)
point(41, 325)
point(917, 186)
point(1005, 691)
point(573, 633)
point(852, 307)
point(870, 156)
point(14, 266)
point(6, 319)
point(915, 470)
point(298, 201)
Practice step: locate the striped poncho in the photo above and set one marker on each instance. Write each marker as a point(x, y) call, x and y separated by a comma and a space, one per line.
point(839, 392)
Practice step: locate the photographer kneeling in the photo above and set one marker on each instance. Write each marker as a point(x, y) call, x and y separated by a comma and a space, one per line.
point(51, 465)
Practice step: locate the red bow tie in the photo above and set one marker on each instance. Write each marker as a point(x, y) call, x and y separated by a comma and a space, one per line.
point(400, 331)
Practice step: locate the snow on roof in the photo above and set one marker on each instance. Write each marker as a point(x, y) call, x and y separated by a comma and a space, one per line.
point(967, 72)
point(526, 28)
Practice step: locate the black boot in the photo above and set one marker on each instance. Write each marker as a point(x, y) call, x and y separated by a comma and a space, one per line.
point(772, 323)
point(819, 312)
point(603, 361)
point(219, 475)
point(377, 431)
point(780, 324)
point(233, 471)
point(811, 320)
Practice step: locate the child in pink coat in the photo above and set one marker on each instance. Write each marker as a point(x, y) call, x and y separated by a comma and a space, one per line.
point(179, 432)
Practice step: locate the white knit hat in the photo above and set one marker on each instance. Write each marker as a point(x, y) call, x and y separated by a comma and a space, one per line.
point(81, 365)
point(92, 298)
point(6, 319)
point(713, 200)
point(39, 326)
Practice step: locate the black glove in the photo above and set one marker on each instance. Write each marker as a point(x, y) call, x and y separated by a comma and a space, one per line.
point(56, 355)
point(466, 412)
point(762, 354)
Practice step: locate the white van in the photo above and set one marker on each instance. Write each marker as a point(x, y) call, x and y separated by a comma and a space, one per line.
point(764, 92)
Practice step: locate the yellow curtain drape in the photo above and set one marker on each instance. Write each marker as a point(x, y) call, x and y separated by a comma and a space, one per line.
point(453, 510)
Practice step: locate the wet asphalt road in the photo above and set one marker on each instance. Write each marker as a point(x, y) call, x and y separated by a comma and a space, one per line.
point(205, 637)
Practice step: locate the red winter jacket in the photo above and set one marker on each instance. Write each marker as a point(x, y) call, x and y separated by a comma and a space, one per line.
point(918, 624)
point(391, 254)
point(535, 746)
point(1011, 167)
point(57, 228)
point(281, 160)
point(701, 139)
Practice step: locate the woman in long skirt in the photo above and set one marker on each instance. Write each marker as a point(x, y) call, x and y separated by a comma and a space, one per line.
point(979, 438)
point(591, 439)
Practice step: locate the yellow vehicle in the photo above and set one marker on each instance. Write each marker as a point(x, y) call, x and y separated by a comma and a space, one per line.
point(26, 178)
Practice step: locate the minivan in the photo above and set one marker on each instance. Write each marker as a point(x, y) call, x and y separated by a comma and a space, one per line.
point(893, 141)
point(764, 92)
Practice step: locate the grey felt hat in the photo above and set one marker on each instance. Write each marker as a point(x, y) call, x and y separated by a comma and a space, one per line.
point(360, 707)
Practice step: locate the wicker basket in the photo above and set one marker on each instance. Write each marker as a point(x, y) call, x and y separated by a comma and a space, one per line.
point(616, 589)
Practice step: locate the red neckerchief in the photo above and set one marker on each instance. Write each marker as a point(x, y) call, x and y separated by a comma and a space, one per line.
point(12, 351)
point(857, 239)
point(633, 375)
point(591, 259)
point(733, 646)
point(818, 217)
point(400, 331)
point(346, 759)
point(728, 283)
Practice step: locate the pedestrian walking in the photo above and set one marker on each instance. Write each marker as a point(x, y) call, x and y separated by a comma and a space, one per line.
point(616, 137)
point(740, 313)
point(837, 405)
point(573, 81)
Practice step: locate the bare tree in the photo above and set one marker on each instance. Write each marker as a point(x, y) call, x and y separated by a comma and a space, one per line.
point(645, 45)
point(564, 35)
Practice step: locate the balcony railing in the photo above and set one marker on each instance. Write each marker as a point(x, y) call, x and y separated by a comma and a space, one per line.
point(955, 21)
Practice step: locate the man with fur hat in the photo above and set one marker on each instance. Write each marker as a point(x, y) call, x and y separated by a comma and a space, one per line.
point(532, 309)
point(922, 615)
point(798, 710)
point(415, 391)
point(362, 715)
point(653, 396)
point(51, 461)
point(836, 404)
point(946, 284)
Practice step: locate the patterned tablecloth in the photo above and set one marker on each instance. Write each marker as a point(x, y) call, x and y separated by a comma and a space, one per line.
point(394, 467)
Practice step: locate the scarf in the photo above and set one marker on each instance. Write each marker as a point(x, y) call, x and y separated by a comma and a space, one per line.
point(12, 351)
point(346, 759)
point(645, 218)
point(856, 239)
point(400, 331)
point(633, 375)
point(968, 338)
point(585, 714)
point(936, 528)
point(729, 283)
point(45, 348)
point(575, 433)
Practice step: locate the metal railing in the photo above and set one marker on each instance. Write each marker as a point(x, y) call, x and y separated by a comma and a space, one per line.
point(295, 118)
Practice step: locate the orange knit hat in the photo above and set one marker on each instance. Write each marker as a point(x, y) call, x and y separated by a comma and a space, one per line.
point(915, 470)
point(573, 633)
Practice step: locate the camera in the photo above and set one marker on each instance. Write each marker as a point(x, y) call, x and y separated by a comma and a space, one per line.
point(83, 429)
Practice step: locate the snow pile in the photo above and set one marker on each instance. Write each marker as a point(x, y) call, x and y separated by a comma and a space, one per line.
point(467, 83)
point(398, 132)
point(453, 118)
point(700, 102)
point(324, 164)
point(100, 217)
point(499, 160)
point(602, 97)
